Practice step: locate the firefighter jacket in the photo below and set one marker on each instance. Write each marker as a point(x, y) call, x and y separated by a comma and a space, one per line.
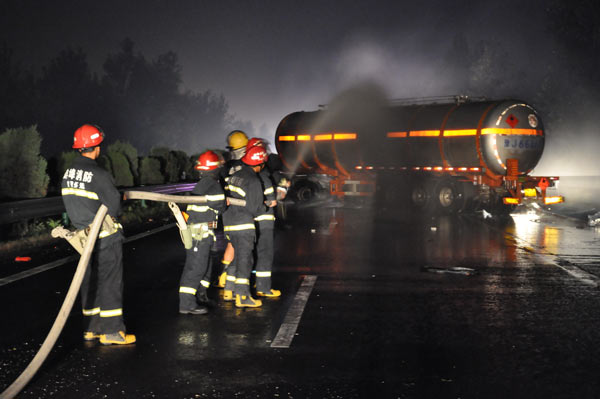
point(209, 186)
point(266, 219)
point(274, 167)
point(243, 184)
point(231, 166)
point(85, 186)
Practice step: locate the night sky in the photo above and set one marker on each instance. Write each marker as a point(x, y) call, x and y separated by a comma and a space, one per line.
point(270, 58)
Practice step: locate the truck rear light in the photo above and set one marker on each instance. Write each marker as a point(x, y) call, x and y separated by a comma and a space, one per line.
point(323, 137)
point(344, 136)
point(396, 134)
point(554, 200)
point(511, 201)
point(530, 192)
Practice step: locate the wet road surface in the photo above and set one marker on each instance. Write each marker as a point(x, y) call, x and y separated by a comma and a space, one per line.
point(402, 306)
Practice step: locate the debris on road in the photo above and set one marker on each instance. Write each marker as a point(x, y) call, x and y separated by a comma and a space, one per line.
point(594, 220)
point(451, 270)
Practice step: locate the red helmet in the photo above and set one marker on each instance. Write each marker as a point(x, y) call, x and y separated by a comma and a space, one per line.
point(255, 156)
point(87, 136)
point(254, 141)
point(208, 160)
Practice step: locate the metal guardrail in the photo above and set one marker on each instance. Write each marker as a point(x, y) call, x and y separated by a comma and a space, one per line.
point(11, 212)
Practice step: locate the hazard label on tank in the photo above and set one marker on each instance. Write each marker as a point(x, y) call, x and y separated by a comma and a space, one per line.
point(533, 121)
point(512, 120)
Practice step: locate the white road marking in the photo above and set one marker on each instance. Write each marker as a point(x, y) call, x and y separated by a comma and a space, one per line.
point(72, 258)
point(286, 332)
point(581, 275)
point(551, 259)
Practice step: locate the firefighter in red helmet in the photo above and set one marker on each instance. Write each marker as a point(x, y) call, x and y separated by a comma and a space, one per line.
point(265, 224)
point(202, 220)
point(85, 186)
point(238, 224)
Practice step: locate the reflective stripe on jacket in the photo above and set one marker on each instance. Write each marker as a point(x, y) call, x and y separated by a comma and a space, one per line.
point(244, 184)
point(84, 187)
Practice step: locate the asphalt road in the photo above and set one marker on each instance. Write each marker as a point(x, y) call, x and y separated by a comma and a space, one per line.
point(386, 306)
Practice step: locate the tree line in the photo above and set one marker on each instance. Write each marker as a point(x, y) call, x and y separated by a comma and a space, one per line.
point(133, 99)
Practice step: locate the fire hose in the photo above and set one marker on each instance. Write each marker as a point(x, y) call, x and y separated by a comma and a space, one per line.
point(184, 231)
point(63, 313)
point(86, 254)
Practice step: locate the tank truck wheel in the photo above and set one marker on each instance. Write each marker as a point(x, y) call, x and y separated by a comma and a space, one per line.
point(420, 197)
point(305, 191)
point(448, 197)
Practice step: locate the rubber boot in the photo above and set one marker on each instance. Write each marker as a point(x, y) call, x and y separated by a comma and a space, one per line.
point(118, 338)
point(195, 310)
point(230, 282)
point(271, 293)
point(90, 336)
point(203, 299)
point(229, 286)
point(222, 280)
point(188, 304)
point(246, 301)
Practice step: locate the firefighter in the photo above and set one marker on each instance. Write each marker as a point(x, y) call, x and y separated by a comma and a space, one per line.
point(265, 224)
point(85, 186)
point(202, 220)
point(238, 224)
point(236, 146)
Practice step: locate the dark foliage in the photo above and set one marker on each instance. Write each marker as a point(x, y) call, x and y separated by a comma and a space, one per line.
point(22, 169)
point(134, 100)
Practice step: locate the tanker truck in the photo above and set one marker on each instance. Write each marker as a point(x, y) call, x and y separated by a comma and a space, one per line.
point(447, 155)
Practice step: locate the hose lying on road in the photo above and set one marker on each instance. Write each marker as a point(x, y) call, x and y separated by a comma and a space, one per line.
point(67, 305)
point(65, 309)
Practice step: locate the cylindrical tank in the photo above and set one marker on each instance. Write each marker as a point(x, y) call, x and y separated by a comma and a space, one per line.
point(480, 134)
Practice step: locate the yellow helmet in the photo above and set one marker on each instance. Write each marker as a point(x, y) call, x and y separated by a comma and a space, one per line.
point(237, 139)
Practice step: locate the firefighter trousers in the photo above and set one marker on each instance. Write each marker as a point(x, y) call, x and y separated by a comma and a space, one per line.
point(243, 245)
point(102, 288)
point(195, 277)
point(264, 259)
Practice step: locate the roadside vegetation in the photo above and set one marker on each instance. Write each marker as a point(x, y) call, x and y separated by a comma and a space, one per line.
point(25, 174)
point(31, 234)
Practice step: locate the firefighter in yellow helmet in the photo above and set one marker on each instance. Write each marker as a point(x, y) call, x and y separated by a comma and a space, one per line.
point(236, 146)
